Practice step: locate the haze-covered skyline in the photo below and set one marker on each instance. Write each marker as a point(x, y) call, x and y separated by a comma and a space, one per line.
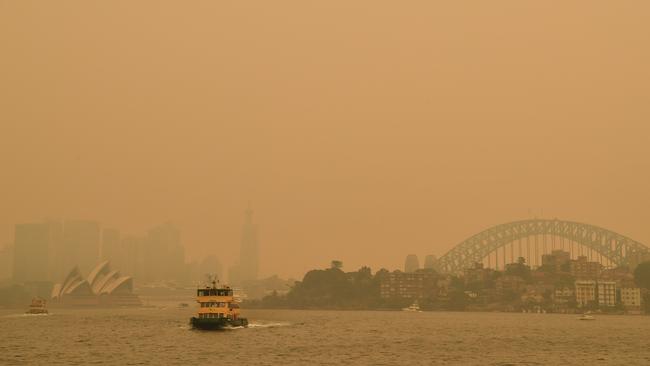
point(360, 131)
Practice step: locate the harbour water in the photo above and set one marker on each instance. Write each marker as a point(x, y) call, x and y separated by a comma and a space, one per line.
point(160, 335)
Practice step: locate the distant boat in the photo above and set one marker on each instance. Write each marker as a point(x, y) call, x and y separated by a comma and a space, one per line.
point(414, 307)
point(37, 306)
point(586, 316)
point(183, 305)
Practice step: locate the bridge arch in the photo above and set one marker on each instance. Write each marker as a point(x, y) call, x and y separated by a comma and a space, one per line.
point(619, 250)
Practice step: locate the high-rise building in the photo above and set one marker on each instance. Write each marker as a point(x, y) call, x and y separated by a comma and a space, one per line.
point(411, 264)
point(166, 254)
point(112, 247)
point(56, 271)
point(81, 241)
point(210, 265)
point(430, 262)
point(249, 249)
point(234, 275)
point(134, 249)
point(6, 262)
point(31, 252)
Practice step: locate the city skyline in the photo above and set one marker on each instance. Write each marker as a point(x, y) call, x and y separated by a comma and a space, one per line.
point(62, 246)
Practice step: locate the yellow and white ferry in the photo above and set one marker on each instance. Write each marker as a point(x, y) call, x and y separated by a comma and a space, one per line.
point(218, 309)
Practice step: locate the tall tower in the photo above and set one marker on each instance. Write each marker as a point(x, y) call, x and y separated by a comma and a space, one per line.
point(430, 262)
point(411, 264)
point(31, 252)
point(249, 249)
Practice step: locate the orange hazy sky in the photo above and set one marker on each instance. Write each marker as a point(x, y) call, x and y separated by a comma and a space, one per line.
point(359, 130)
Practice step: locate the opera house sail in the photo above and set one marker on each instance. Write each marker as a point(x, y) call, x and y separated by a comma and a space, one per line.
point(102, 287)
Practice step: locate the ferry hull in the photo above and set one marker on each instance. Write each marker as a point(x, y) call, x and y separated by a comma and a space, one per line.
point(217, 323)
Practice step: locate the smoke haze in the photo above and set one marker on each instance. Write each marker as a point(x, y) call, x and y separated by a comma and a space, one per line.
point(358, 130)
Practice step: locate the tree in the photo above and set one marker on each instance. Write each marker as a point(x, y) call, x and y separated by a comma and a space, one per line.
point(336, 264)
point(642, 275)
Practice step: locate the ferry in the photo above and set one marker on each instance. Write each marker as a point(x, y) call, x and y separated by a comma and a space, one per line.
point(218, 309)
point(37, 306)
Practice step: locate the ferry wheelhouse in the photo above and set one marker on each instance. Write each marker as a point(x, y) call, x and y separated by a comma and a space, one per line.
point(217, 309)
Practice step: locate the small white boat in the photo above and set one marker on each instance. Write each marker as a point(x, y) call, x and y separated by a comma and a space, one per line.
point(586, 317)
point(414, 307)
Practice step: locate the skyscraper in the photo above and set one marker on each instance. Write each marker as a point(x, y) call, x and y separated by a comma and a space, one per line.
point(81, 241)
point(411, 264)
point(165, 258)
point(135, 253)
point(6, 262)
point(31, 252)
point(112, 247)
point(56, 254)
point(249, 249)
point(430, 262)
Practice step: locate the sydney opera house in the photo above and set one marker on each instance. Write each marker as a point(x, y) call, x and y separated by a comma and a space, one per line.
point(102, 287)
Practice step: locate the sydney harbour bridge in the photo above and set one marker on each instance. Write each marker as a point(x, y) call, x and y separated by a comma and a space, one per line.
point(532, 238)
